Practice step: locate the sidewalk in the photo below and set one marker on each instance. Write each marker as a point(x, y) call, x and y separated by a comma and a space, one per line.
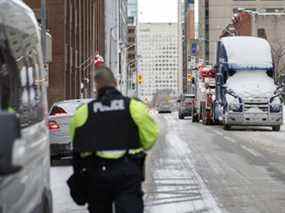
point(172, 184)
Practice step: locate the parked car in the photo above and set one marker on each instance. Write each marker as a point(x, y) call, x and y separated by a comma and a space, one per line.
point(164, 107)
point(24, 147)
point(59, 116)
point(185, 105)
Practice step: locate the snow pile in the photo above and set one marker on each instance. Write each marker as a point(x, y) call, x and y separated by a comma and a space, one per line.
point(247, 52)
point(251, 84)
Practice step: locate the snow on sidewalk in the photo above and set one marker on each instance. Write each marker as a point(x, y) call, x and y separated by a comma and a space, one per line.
point(173, 184)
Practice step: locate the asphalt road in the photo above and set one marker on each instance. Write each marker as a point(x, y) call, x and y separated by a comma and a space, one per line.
point(196, 168)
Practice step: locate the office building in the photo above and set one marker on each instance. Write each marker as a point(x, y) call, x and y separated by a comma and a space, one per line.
point(158, 65)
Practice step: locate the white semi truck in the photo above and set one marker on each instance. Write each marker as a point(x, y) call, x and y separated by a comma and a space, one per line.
point(246, 94)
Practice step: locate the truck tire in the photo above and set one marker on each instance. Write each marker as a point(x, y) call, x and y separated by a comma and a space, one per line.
point(195, 118)
point(276, 128)
point(227, 127)
point(180, 116)
point(208, 122)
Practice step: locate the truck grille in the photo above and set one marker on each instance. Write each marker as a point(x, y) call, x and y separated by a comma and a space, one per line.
point(259, 106)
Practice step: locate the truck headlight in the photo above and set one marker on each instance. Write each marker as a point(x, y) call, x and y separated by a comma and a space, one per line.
point(275, 104)
point(18, 152)
point(234, 104)
point(235, 107)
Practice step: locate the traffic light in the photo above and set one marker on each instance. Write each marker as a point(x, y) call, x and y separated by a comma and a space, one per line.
point(189, 77)
point(140, 79)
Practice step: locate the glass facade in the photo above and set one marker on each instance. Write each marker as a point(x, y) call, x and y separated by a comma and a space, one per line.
point(132, 11)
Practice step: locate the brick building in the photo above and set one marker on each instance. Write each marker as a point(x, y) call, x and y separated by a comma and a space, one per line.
point(78, 31)
point(35, 5)
point(187, 36)
point(77, 27)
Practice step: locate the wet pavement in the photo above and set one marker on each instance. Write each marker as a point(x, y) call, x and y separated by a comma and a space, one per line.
point(196, 168)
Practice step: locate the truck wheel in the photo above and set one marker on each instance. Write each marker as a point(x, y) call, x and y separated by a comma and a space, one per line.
point(180, 116)
point(195, 118)
point(276, 128)
point(227, 127)
point(208, 122)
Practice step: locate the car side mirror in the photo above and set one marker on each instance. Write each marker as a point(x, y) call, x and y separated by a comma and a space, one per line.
point(10, 134)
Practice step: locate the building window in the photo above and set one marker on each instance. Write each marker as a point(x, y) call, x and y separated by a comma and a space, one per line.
point(261, 33)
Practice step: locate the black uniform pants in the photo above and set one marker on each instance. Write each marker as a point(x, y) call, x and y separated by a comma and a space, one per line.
point(115, 182)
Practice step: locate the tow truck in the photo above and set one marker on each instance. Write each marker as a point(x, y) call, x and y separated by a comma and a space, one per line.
point(205, 95)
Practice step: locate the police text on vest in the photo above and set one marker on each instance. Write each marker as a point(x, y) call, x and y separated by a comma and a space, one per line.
point(116, 105)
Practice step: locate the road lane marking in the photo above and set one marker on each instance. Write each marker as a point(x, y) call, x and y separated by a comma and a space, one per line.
point(230, 139)
point(218, 133)
point(251, 151)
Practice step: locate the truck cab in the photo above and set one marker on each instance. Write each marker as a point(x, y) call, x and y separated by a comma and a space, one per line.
point(24, 144)
point(246, 94)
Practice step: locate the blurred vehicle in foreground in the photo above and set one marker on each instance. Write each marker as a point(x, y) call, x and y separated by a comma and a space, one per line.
point(24, 147)
point(185, 105)
point(59, 116)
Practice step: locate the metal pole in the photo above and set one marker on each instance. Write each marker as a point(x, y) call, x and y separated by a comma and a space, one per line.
point(110, 49)
point(137, 84)
point(43, 29)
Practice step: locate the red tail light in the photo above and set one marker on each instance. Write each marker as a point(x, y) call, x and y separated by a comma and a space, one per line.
point(187, 103)
point(60, 114)
point(53, 125)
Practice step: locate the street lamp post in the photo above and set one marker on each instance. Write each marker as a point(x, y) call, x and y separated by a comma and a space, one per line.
point(110, 45)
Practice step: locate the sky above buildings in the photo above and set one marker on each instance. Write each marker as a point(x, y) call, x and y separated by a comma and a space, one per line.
point(157, 10)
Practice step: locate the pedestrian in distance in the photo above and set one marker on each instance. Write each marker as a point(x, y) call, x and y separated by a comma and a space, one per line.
point(110, 136)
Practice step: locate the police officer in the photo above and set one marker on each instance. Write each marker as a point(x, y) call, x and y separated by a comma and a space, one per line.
point(110, 135)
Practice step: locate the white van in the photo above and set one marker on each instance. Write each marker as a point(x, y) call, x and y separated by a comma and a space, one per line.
point(24, 145)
